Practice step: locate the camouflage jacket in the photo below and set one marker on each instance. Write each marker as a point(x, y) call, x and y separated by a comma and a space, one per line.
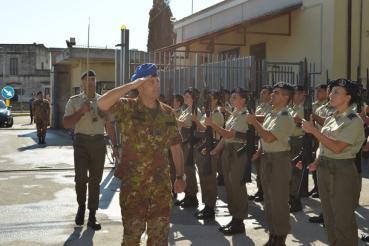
point(41, 110)
point(146, 136)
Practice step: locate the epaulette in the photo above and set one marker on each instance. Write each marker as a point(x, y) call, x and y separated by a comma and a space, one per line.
point(352, 116)
point(75, 96)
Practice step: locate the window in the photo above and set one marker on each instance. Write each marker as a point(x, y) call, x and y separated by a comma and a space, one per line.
point(13, 66)
point(77, 90)
point(42, 66)
point(230, 54)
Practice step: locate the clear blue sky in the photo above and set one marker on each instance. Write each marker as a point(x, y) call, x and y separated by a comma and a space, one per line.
point(51, 22)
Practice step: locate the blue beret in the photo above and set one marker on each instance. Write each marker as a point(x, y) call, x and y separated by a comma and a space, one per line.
point(143, 70)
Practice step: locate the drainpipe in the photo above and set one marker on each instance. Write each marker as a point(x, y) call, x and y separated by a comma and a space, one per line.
point(349, 32)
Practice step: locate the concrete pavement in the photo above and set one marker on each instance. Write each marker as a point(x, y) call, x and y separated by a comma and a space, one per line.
point(38, 204)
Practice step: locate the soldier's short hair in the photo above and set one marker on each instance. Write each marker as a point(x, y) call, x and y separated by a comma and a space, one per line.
point(242, 92)
point(322, 86)
point(179, 98)
point(39, 93)
point(299, 88)
point(193, 92)
point(91, 73)
point(351, 88)
point(267, 87)
point(287, 89)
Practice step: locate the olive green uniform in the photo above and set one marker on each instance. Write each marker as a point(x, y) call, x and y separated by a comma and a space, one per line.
point(41, 113)
point(262, 109)
point(208, 183)
point(338, 177)
point(296, 146)
point(276, 171)
point(190, 169)
point(234, 165)
point(145, 195)
point(89, 149)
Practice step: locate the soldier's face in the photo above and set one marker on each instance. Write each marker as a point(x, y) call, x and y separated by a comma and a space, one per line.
point(265, 95)
point(39, 96)
point(279, 98)
point(151, 88)
point(188, 99)
point(298, 96)
point(321, 94)
point(89, 84)
point(339, 97)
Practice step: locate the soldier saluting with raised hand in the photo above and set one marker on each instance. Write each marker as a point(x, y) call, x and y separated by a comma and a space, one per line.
point(148, 129)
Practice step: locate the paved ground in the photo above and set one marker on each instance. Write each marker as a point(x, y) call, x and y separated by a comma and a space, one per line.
point(37, 202)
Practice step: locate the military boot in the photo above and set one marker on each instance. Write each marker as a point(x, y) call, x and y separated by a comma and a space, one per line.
point(207, 213)
point(189, 201)
point(280, 240)
point(236, 227)
point(295, 205)
point(39, 140)
point(92, 222)
point(80, 216)
point(222, 228)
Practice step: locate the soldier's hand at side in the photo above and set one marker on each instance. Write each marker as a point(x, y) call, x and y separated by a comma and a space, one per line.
point(313, 166)
point(299, 165)
point(255, 156)
point(203, 151)
point(179, 185)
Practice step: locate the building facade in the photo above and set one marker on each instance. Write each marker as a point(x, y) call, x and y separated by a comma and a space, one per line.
point(25, 67)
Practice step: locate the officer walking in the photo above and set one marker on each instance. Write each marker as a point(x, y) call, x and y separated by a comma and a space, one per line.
point(82, 114)
point(41, 113)
point(148, 129)
point(275, 162)
point(340, 140)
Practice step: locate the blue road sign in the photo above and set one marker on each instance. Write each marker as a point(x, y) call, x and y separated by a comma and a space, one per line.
point(7, 92)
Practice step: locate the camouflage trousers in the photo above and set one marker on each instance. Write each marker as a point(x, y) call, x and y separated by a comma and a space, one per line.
point(41, 126)
point(146, 207)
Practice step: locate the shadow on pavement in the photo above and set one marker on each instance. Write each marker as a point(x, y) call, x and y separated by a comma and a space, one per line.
point(53, 138)
point(77, 239)
point(109, 186)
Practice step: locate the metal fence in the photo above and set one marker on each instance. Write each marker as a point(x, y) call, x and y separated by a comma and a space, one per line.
point(179, 70)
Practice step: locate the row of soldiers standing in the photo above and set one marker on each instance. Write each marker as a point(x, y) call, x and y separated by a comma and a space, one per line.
point(280, 126)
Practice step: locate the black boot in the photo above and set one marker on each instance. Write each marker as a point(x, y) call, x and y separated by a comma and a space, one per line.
point(280, 240)
point(222, 228)
point(206, 213)
point(92, 222)
point(80, 216)
point(317, 219)
point(295, 205)
point(189, 201)
point(220, 180)
point(365, 238)
point(43, 140)
point(271, 240)
point(39, 140)
point(236, 227)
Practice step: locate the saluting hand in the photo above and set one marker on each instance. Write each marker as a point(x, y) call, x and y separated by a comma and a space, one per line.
point(308, 126)
point(179, 185)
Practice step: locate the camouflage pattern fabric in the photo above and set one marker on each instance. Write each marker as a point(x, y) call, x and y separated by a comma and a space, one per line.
point(41, 113)
point(144, 169)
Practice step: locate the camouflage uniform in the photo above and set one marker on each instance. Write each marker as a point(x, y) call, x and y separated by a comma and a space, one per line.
point(145, 194)
point(41, 113)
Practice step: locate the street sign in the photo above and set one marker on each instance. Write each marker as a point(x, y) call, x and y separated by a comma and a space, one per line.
point(8, 92)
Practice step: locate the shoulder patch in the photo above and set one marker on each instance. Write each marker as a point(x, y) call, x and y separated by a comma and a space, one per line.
point(351, 116)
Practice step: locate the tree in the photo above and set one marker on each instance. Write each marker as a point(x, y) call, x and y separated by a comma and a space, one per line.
point(160, 26)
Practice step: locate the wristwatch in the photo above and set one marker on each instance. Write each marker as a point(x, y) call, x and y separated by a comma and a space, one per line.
point(182, 177)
